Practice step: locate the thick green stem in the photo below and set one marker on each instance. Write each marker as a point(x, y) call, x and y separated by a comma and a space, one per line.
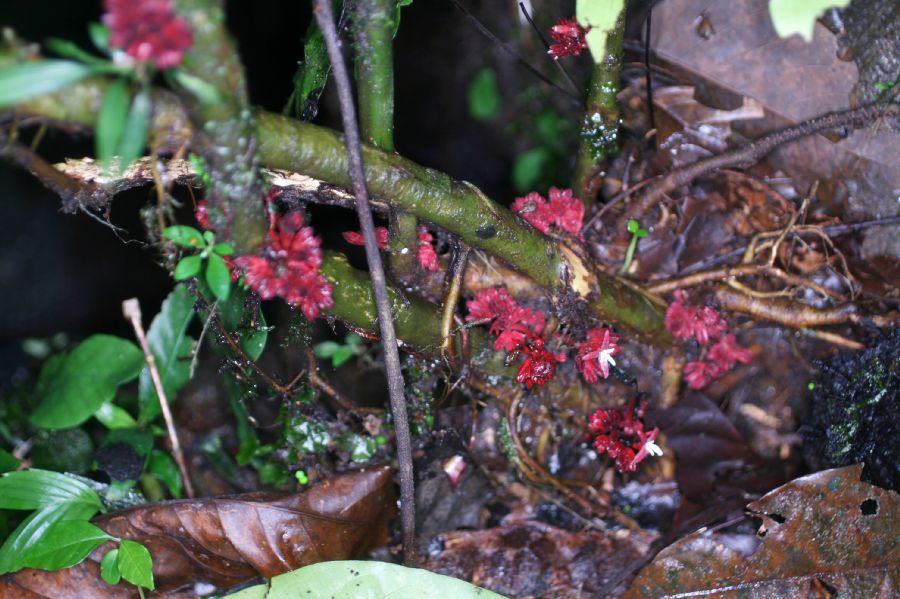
point(225, 129)
point(373, 36)
point(600, 126)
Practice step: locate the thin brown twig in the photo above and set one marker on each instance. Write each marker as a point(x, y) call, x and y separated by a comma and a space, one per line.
point(729, 272)
point(451, 298)
point(396, 388)
point(131, 309)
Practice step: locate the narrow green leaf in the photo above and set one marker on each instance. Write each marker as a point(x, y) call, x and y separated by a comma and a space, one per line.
point(24, 81)
point(34, 489)
point(111, 121)
point(484, 95)
point(109, 570)
point(171, 347)
point(205, 93)
point(88, 379)
point(67, 49)
point(311, 76)
point(163, 467)
point(99, 36)
point(32, 529)
point(63, 544)
point(187, 267)
point(8, 462)
point(134, 138)
point(184, 236)
point(135, 564)
point(218, 277)
point(114, 417)
point(528, 168)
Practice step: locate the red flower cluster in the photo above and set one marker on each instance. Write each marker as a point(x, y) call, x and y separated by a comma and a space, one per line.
point(202, 215)
point(620, 434)
point(705, 323)
point(563, 211)
point(289, 266)
point(569, 38)
point(356, 237)
point(539, 365)
point(513, 324)
point(148, 31)
point(427, 256)
point(595, 354)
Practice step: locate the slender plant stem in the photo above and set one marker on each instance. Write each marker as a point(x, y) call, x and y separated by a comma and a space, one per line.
point(131, 309)
point(396, 387)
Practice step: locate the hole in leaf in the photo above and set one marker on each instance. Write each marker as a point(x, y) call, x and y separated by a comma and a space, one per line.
point(777, 518)
point(869, 507)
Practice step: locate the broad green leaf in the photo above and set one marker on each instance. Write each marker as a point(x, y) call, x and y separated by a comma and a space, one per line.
point(32, 529)
point(86, 380)
point(187, 267)
point(484, 96)
point(799, 16)
point(63, 544)
point(113, 417)
point(24, 81)
point(163, 467)
point(8, 462)
point(109, 570)
point(231, 311)
point(184, 236)
point(171, 347)
point(223, 249)
point(134, 138)
point(218, 277)
point(601, 17)
point(135, 564)
point(34, 489)
point(65, 450)
point(111, 121)
point(365, 580)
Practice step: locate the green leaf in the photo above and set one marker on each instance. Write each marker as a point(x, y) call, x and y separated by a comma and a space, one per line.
point(344, 353)
point(528, 168)
point(185, 236)
point(25, 81)
point(111, 121)
point(253, 341)
point(67, 49)
point(231, 311)
point(218, 277)
point(311, 76)
point(88, 379)
point(171, 347)
point(601, 17)
point(134, 138)
point(135, 564)
point(326, 349)
point(8, 462)
point(99, 36)
point(109, 570)
point(799, 16)
point(31, 530)
point(163, 467)
point(400, 4)
point(484, 96)
point(373, 580)
point(114, 417)
point(35, 489)
point(205, 92)
point(187, 267)
point(223, 249)
point(65, 450)
point(63, 544)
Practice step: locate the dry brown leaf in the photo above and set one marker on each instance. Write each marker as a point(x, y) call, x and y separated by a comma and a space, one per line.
point(826, 531)
point(226, 541)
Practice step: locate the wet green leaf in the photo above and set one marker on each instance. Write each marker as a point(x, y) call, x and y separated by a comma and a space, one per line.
point(63, 544)
point(218, 277)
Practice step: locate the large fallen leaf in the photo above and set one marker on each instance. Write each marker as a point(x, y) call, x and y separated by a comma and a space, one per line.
point(530, 558)
point(827, 531)
point(230, 540)
point(364, 580)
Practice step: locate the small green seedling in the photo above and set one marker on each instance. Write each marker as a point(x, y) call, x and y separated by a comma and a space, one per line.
point(339, 353)
point(636, 233)
point(217, 274)
point(301, 477)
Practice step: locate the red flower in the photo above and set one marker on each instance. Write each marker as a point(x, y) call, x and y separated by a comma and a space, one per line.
point(202, 215)
point(726, 352)
point(356, 237)
point(289, 266)
point(569, 38)
point(700, 322)
point(427, 256)
point(148, 31)
point(595, 354)
point(490, 303)
point(539, 365)
point(620, 434)
point(700, 374)
point(563, 211)
point(513, 324)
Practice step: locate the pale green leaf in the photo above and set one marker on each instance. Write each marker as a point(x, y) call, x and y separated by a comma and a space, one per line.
point(86, 380)
point(25, 81)
point(34, 489)
point(109, 570)
point(799, 16)
point(135, 564)
point(601, 17)
point(111, 121)
point(114, 417)
point(63, 544)
point(184, 236)
point(134, 137)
